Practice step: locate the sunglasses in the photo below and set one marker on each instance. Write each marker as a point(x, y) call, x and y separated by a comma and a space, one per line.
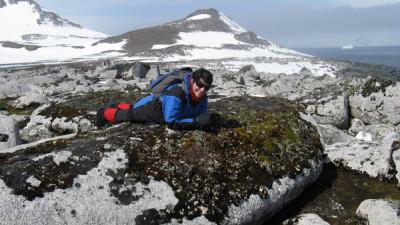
point(201, 85)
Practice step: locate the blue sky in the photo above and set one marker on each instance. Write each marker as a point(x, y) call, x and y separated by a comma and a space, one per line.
point(290, 23)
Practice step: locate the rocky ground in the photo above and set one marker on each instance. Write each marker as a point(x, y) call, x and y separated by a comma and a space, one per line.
point(56, 167)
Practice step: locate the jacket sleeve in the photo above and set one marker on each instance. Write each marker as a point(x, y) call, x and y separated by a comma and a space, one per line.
point(173, 101)
point(203, 106)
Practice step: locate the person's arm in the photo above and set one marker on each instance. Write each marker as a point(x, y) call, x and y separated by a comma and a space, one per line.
point(203, 106)
point(173, 101)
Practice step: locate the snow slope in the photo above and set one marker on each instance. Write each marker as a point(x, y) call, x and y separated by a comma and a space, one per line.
point(30, 34)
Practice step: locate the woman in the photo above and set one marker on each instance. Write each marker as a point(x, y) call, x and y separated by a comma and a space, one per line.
point(180, 106)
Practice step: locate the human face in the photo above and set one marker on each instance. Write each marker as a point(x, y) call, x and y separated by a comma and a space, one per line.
point(199, 89)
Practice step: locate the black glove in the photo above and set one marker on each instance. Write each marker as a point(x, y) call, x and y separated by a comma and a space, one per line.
point(215, 117)
point(205, 120)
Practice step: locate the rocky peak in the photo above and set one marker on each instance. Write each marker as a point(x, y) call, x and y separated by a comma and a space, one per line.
point(211, 11)
point(208, 20)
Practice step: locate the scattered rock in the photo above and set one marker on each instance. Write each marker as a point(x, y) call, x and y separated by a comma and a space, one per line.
point(332, 111)
point(33, 97)
point(396, 159)
point(306, 219)
point(373, 158)
point(380, 211)
point(139, 69)
point(331, 135)
point(357, 125)
point(9, 133)
point(377, 106)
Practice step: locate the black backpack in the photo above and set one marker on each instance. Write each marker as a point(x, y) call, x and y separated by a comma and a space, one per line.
point(163, 81)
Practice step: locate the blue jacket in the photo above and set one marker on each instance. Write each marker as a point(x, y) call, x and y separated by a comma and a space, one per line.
point(177, 108)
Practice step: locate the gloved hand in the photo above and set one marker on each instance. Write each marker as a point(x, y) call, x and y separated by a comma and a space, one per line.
point(215, 117)
point(205, 120)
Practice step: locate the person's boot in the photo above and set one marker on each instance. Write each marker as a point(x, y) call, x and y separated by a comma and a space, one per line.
point(104, 116)
point(122, 105)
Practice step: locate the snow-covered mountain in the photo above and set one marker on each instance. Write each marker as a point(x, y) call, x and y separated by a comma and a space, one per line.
point(208, 34)
point(29, 34)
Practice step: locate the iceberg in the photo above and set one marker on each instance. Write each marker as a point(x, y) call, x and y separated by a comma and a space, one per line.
point(348, 47)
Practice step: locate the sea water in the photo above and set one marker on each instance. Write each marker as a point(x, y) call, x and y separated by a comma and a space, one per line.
point(382, 55)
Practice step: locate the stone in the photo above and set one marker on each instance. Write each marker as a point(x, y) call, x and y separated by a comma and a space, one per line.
point(35, 95)
point(373, 158)
point(9, 133)
point(257, 159)
point(396, 159)
point(38, 126)
point(249, 73)
point(140, 69)
point(379, 211)
point(332, 111)
point(377, 104)
point(377, 131)
point(357, 125)
point(331, 135)
point(306, 72)
point(306, 219)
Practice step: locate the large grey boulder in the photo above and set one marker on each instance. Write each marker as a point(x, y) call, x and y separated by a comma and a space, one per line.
point(380, 211)
point(9, 133)
point(257, 159)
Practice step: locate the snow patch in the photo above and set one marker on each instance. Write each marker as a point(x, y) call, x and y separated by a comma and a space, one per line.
point(318, 69)
point(58, 53)
point(364, 136)
point(203, 39)
point(199, 17)
point(236, 28)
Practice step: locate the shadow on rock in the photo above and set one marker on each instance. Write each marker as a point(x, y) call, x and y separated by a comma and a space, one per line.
point(325, 181)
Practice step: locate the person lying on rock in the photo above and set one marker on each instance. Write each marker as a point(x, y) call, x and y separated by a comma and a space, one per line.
point(182, 106)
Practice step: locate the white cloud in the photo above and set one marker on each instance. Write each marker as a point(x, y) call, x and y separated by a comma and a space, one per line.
point(364, 3)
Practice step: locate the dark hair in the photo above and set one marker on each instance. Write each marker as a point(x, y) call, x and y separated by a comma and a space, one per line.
point(204, 74)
